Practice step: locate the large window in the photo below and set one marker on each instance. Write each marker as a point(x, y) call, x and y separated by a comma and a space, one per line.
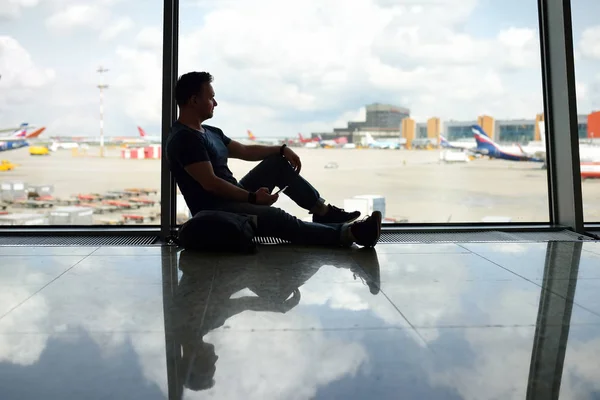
point(371, 75)
point(586, 39)
point(80, 91)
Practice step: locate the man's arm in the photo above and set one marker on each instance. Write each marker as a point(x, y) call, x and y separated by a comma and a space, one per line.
point(204, 174)
point(253, 152)
point(189, 151)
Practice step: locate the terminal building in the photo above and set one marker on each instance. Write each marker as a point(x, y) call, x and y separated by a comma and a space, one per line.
point(382, 121)
point(393, 123)
point(511, 130)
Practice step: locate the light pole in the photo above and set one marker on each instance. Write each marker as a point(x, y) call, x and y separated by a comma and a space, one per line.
point(101, 86)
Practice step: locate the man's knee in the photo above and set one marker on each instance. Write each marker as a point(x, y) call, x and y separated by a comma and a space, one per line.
point(277, 159)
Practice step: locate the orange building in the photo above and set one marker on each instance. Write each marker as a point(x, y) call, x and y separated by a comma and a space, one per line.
point(593, 126)
point(409, 128)
point(434, 129)
point(487, 123)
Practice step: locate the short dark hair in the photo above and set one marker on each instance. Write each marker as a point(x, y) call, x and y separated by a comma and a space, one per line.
point(190, 84)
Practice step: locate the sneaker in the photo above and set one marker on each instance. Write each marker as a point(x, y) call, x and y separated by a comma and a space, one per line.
point(336, 215)
point(367, 231)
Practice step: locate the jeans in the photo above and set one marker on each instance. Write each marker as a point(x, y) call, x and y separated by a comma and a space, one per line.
point(273, 221)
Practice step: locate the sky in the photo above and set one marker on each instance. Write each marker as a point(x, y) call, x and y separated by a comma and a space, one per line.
point(281, 68)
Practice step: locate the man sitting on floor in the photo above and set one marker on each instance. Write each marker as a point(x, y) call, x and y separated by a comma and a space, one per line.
point(197, 156)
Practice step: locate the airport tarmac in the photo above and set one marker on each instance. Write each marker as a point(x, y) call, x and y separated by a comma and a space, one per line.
point(417, 187)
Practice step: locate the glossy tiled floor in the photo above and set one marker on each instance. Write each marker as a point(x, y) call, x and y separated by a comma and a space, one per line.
point(428, 321)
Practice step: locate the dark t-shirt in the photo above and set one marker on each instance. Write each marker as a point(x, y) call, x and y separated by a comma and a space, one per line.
point(187, 146)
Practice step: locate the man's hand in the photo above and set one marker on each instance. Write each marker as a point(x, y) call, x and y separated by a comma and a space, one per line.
point(292, 158)
point(264, 197)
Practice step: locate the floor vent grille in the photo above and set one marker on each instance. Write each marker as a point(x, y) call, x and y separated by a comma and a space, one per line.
point(79, 240)
point(477, 236)
point(480, 236)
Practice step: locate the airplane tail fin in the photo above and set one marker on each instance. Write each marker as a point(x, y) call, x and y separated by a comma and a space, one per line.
point(444, 142)
point(300, 136)
point(21, 131)
point(36, 133)
point(141, 131)
point(484, 142)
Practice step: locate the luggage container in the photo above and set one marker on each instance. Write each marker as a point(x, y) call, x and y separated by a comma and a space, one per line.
point(23, 219)
point(11, 191)
point(72, 216)
point(40, 190)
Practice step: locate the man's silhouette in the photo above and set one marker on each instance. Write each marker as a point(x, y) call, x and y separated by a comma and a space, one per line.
point(197, 155)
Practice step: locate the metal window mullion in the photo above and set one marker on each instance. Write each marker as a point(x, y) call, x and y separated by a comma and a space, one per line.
point(168, 192)
point(560, 109)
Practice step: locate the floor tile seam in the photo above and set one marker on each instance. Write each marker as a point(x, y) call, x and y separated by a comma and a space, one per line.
point(426, 253)
point(43, 287)
point(127, 255)
point(590, 251)
point(506, 269)
point(42, 255)
point(541, 287)
point(292, 330)
point(403, 316)
point(496, 326)
point(459, 244)
point(331, 329)
point(13, 332)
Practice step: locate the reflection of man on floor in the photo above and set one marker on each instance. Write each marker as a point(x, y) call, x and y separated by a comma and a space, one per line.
point(203, 305)
point(197, 155)
point(203, 299)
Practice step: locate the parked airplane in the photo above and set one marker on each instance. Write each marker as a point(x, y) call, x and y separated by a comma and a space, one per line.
point(378, 144)
point(22, 129)
point(149, 139)
point(457, 145)
point(19, 138)
point(341, 141)
point(588, 153)
point(267, 141)
point(486, 146)
point(304, 140)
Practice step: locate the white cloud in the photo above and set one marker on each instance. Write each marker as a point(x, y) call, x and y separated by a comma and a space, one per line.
point(78, 16)
point(589, 44)
point(12, 8)
point(20, 79)
point(519, 48)
point(326, 58)
point(115, 29)
point(18, 69)
point(140, 84)
point(150, 38)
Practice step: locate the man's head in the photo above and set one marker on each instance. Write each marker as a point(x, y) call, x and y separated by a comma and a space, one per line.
point(194, 94)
